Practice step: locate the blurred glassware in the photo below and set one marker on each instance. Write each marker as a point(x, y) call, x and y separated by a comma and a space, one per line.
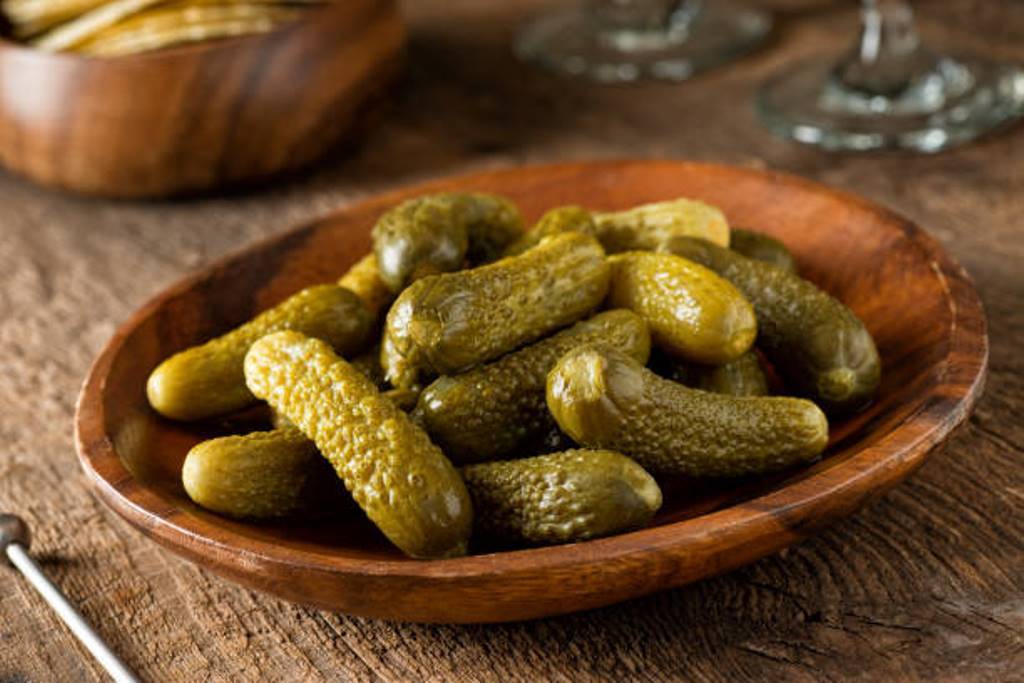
point(890, 92)
point(616, 41)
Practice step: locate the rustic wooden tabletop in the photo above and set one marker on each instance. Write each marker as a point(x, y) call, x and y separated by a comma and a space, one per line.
point(926, 584)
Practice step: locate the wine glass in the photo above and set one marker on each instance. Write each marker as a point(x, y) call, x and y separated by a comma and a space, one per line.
point(628, 40)
point(889, 91)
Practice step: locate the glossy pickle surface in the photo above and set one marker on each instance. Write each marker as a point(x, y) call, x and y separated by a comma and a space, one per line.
point(445, 324)
point(604, 399)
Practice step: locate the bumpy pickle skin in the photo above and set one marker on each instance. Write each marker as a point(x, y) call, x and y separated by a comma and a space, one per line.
point(604, 399)
point(692, 312)
point(555, 222)
point(741, 377)
point(820, 346)
point(762, 247)
point(498, 409)
point(403, 482)
point(263, 475)
point(207, 380)
point(363, 279)
point(449, 323)
point(437, 233)
point(560, 497)
point(647, 226)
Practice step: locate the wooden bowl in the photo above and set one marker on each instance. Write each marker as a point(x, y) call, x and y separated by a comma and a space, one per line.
point(918, 303)
point(197, 117)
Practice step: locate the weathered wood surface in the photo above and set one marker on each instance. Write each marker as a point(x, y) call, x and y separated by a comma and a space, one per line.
point(926, 584)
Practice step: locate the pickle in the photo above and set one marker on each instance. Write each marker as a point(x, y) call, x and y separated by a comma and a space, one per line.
point(449, 323)
point(363, 279)
point(692, 312)
point(555, 222)
point(605, 399)
point(761, 247)
point(437, 233)
point(642, 228)
point(263, 475)
point(403, 482)
point(647, 226)
point(561, 497)
point(740, 377)
point(815, 342)
point(497, 409)
point(207, 380)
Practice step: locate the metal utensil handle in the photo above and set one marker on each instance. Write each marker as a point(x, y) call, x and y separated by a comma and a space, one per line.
point(69, 615)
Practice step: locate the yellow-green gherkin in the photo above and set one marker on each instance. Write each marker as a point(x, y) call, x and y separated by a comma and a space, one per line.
point(604, 399)
point(207, 380)
point(692, 312)
point(403, 482)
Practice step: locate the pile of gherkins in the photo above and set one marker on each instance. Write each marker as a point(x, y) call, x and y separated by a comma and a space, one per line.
point(108, 28)
point(469, 379)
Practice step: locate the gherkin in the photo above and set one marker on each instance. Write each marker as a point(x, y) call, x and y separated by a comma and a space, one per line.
point(403, 482)
point(818, 345)
point(561, 497)
point(207, 380)
point(604, 399)
point(498, 409)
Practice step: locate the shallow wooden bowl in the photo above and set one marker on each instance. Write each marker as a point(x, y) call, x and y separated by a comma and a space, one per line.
point(919, 305)
point(197, 117)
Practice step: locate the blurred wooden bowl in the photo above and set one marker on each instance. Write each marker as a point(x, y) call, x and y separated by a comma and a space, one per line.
point(197, 117)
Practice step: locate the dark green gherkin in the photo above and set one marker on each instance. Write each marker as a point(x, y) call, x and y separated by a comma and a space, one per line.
point(740, 377)
point(451, 322)
point(498, 409)
point(818, 345)
point(438, 233)
point(604, 399)
point(560, 497)
point(762, 247)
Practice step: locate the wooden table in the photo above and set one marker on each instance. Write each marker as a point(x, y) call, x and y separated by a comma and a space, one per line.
point(927, 584)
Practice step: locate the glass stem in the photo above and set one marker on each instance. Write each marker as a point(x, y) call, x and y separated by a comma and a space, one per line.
point(888, 56)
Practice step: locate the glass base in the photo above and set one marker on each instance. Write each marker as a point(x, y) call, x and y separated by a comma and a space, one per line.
point(953, 102)
point(569, 43)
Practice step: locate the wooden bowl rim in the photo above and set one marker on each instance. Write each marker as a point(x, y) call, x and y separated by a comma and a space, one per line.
point(184, 51)
point(796, 505)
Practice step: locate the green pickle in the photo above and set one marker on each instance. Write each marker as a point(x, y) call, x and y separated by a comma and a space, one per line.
point(741, 377)
point(263, 475)
point(604, 399)
point(762, 247)
point(647, 226)
point(641, 228)
point(692, 312)
point(437, 233)
point(555, 222)
point(560, 497)
point(207, 381)
point(498, 409)
point(817, 344)
point(449, 323)
point(403, 482)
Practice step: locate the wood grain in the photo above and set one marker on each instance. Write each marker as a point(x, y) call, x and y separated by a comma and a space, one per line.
point(201, 116)
point(925, 584)
point(918, 305)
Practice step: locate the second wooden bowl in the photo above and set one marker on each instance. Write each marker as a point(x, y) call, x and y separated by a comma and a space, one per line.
point(196, 117)
point(919, 305)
